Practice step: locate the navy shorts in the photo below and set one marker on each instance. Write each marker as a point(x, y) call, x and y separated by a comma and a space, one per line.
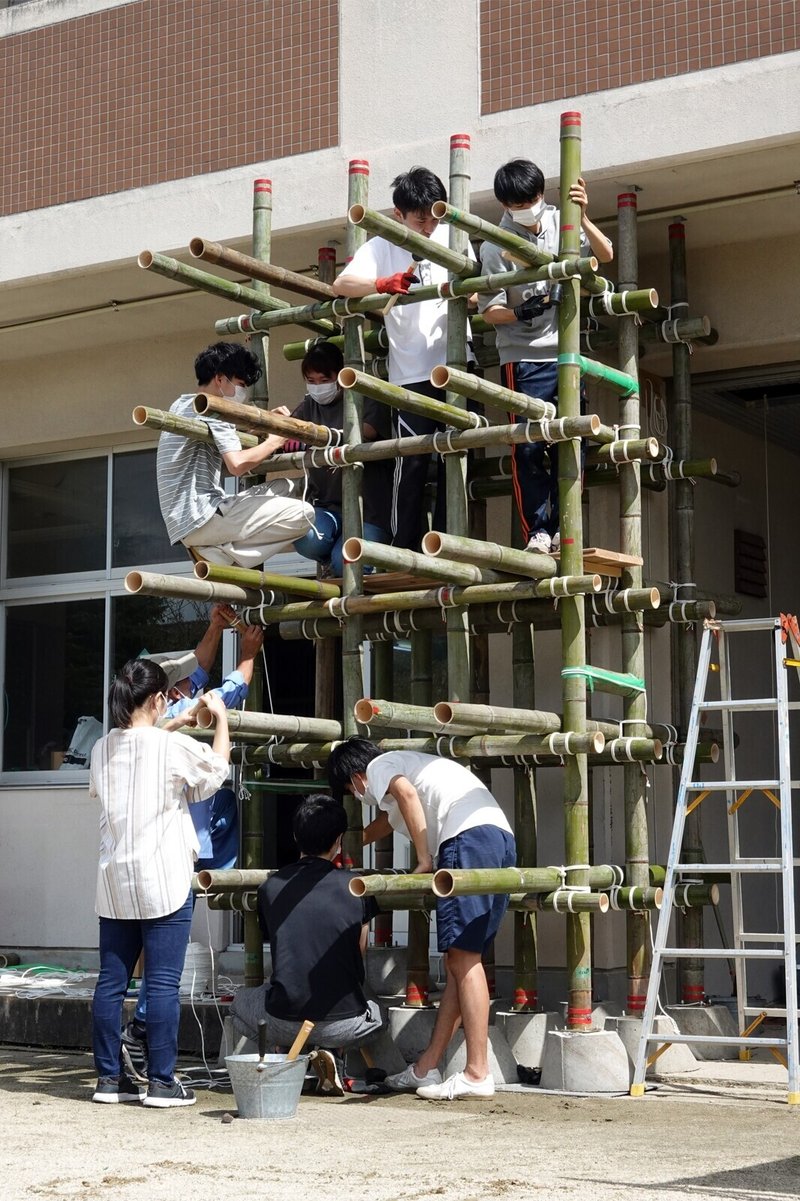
point(470, 923)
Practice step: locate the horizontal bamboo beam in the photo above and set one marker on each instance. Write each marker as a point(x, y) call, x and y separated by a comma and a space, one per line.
point(247, 578)
point(487, 554)
point(230, 879)
point(620, 304)
point(284, 725)
point(727, 606)
point(413, 884)
point(467, 384)
point(620, 381)
point(376, 341)
point(187, 427)
point(249, 417)
point(150, 583)
point(382, 714)
point(496, 718)
point(626, 450)
point(407, 239)
point(268, 273)
point(395, 558)
point(684, 329)
point(407, 401)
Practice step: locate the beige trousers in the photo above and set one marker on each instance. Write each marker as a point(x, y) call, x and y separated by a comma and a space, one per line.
point(253, 526)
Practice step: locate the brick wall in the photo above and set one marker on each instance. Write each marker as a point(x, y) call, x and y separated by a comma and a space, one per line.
point(164, 89)
point(534, 52)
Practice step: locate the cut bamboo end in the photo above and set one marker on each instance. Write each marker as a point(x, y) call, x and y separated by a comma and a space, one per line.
point(443, 712)
point(440, 376)
point(358, 887)
point(205, 878)
point(197, 247)
point(346, 378)
point(205, 718)
point(364, 710)
point(201, 403)
point(443, 883)
point(145, 259)
point(201, 569)
point(352, 548)
point(133, 581)
point(438, 209)
point(432, 543)
point(355, 214)
point(139, 415)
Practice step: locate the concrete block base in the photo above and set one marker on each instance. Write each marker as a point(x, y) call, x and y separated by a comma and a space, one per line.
point(411, 1030)
point(525, 1034)
point(594, 1062)
point(706, 1019)
point(600, 1011)
point(502, 1064)
point(386, 970)
point(677, 1058)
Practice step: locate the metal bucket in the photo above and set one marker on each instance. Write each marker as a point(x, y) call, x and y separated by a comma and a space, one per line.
point(269, 1091)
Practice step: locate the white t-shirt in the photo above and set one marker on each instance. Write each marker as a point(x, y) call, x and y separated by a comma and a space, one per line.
point(417, 332)
point(453, 798)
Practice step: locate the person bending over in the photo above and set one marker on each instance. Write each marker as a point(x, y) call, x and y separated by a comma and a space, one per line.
point(453, 821)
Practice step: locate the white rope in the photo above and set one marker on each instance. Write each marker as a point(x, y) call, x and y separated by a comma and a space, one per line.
point(444, 597)
point(625, 754)
point(448, 448)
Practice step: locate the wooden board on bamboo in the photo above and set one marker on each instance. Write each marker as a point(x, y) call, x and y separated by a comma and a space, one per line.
point(606, 562)
point(396, 581)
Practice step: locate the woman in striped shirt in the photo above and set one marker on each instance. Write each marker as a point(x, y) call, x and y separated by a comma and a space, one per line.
point(144, 777)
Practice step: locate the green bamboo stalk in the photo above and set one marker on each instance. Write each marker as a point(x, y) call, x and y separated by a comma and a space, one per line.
point(565, 901)
point(521, 247)
point(487, 554)
point(686, 329)
point(248, 578)
point(476, 881)
point(626, 450)
point(230, 879)
point(406, 401)
point(465, 384)
point(621, 304)
point(727, 606)
point(150, 583)
point(400, 235)
point(285, 725)
point(418, 961)
point(189, 427)
point(620, 381)
point(382, 714)
point(258, 269)
point(410, 885)
point(395, 558)
point(375, 341)
point(234, 902)
point(251, 418)
point(383, 685)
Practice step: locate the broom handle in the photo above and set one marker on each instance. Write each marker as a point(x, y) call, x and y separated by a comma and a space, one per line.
point(300, 1041)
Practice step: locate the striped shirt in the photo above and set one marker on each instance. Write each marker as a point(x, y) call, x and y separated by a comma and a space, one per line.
point(143, 778)
point(189, 472)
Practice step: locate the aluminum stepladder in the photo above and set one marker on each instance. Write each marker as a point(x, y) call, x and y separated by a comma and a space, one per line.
point(691, 792)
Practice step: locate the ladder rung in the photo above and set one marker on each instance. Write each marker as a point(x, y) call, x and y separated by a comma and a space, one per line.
point(752, 1010)
point(778, 937)
point(746, 706)
point(720, 1039)
point(730, 785)
point(741, 625)
point(743, 865)
point(719, 953)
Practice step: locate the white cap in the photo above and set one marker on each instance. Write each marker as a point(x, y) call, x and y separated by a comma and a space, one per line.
point(178, 665)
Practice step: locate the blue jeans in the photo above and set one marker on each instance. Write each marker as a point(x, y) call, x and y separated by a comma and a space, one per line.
point(534, 464)
point(164, 941)
point(325, 542)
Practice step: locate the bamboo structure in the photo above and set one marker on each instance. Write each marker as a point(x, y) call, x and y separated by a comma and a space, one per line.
point(467, 588)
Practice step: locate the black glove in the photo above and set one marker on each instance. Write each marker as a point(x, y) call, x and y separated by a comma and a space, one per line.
point(534, 306)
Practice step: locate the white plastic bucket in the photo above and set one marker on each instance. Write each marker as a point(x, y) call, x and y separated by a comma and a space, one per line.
point(269, 1089)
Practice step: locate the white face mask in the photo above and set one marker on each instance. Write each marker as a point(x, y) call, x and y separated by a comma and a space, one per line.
point(323, 394)
point(240, 394)
point(364, 796)
point(529, 216)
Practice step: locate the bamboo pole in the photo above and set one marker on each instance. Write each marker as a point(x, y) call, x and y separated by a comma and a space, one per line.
point(400, 235)
point(684, 639)
point(251, 418)
point(384, 714)
point(626, 450)
point(573, 626)
point(188, 427)
point(487, 554)
point(382, 684)
point(396, 558)
point(621, 304)
point(150, 583)
point(376, 341)
point(285, 725)
point(727, 606)
point(418, 960)
point(408, 885)
point(684, 329)
point(248, 578)
point(406, 401)
point(465, 384)
point(352, 513)
point(621, 381)
point(257, 269)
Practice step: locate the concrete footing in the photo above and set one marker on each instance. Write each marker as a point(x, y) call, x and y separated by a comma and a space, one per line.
point(591, 1062)
point(677, 1058)
point(386, 970)
point(411, 1030)
point(707, 1019)
point(525, 1034)
point(502, 1064)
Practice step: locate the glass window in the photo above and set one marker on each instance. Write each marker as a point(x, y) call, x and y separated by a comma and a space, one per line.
point(57, 517)
point(138, 531)
point(53, 684)
point(155, 624)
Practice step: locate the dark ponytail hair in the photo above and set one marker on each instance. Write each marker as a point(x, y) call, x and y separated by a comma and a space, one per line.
point(133, 684)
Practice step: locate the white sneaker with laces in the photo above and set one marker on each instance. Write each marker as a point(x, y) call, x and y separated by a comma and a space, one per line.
point(539, 543)
point(409, 1082)
point(456, 1087)
point(555, 543)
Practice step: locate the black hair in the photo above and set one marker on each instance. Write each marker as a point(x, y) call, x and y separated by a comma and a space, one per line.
point(518, 182)
point(228, 359)
point(318, 821)
point(351, 756)
point(323, 357)
point(133, 684)
point(417, 190)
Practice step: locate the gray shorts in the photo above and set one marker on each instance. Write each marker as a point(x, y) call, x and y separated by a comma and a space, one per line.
point(247, 1009)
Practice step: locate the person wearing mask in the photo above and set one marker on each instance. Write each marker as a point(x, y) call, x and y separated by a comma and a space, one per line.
point(145, 778)
point(323, 404)
point(242, 530)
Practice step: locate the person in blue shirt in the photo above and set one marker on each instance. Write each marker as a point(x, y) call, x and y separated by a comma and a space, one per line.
point(216, 820)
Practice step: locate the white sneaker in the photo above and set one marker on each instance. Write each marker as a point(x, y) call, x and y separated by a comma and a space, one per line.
point(555, 543)
point(456, 1087)
point(539, 543)
point(409, 1082)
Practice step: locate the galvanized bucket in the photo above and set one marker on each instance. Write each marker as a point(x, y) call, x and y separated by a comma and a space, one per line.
point(267, 1088)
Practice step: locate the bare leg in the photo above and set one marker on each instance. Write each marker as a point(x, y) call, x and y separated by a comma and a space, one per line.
point(448, 1019)
point(473, 1001)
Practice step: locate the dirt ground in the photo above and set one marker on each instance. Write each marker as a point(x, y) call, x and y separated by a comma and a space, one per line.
point(693, 1141)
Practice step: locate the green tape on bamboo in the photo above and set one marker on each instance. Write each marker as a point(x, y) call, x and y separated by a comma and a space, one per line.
point(598, 679)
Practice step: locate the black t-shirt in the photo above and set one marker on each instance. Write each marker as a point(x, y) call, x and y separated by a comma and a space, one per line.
point(314, 927)
point(325, 483)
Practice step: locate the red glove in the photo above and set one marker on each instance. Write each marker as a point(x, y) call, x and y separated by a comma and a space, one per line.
point(397, 284)
point(291, 444)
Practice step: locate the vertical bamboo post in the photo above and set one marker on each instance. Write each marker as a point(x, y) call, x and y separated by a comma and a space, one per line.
point(252, 807)
point(684, 645)
point(634, 708)
point(383, 685)
point(418, 961)
point(352, 514)
point(325, 648)
point(573, 626)
point(458, 645)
